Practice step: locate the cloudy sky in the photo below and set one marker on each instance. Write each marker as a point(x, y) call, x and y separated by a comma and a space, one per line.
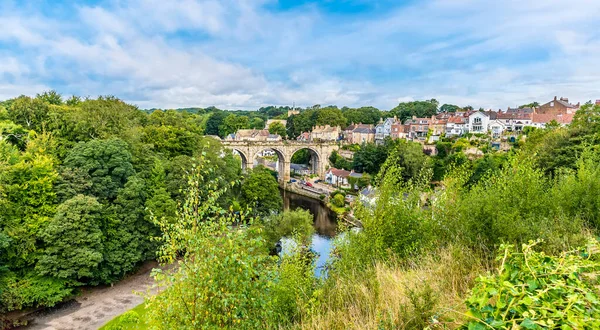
point(244, 54)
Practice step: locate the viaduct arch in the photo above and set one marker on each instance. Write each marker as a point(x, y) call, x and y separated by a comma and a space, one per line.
point(284, 149)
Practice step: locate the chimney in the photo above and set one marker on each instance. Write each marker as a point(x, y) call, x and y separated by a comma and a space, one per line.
point(414, 117)
point(555, 98)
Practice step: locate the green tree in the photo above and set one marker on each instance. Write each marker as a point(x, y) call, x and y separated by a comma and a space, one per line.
point(277, 128)
point(73, 240)
point(331, 116)
point(50, 97)
point(292, 224)
point(28, 112)
point(103, 118)
point(232, 124)
point(364, 115)
point(449, 108)
point(260, 191)
point(107, 162)
point(302, 122)
point(214, 122)
point(257, 123)
point(421, 109)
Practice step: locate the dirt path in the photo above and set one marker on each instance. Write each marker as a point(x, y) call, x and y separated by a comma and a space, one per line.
point(95, 306)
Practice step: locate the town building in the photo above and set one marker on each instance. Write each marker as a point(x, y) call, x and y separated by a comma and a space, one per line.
point(398, 131)
point(478, 122)
point(384, 129)
point(418, 127)
point(558, 106)
point(456, 126)
point(304, 137)
point(337, 177)
point(325, 133)
point(300, 169)
point(359, 134)
point(541, 120)
point(250, 135)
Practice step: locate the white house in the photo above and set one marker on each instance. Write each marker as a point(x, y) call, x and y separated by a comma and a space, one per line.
point(384, 128)
point(497, 128)
point(478, 122)
point(456, 126)
point(337, 177)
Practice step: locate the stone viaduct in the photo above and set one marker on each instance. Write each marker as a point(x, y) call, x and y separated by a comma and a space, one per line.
point(285, 149)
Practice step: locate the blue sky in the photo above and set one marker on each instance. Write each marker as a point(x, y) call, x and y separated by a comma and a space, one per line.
point(244, 54)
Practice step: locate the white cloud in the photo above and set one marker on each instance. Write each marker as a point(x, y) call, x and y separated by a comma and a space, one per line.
point(237, 54)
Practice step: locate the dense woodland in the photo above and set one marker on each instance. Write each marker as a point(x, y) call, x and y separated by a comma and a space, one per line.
point(92, 188)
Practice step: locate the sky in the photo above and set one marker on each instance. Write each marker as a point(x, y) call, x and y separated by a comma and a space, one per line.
point(244, 54)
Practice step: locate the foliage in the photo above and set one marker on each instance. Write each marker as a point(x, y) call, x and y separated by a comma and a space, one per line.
point(296, 224)
point(224, 275)
point(277, 128)
point(420, 109)
point(536, 291)
point(259, 123)
point(301, 156)
point(107, 162)
point(73, 241)
point(233, 123)
point(28, 112)
point(339, 162)
point(338, 200)
point(331, 116)
point(260, 192)
point(363, 115)
point(449, 108)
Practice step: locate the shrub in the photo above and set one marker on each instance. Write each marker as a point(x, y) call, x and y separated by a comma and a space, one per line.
point(537, 291)
point(338, 200)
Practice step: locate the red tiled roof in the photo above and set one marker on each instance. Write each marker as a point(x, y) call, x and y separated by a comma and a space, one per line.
point(548, 117)
point(339, 173)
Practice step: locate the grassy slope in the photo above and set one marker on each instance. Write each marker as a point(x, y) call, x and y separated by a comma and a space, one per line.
point(115, 324)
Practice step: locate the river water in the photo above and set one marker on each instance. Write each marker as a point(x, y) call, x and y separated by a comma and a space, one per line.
point(325, 224)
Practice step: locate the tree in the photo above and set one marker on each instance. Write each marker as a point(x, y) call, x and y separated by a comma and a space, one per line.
point(107, 162)
point(73, 240)
point(50, 97)
point(369, 158)
point(421, 109)
point(214, 123)
point(292, 223)
point(449, 108)
point(260, 191)
point(301, 156)
point(257, 123)
point(277, 128)
point(103, 118)
point(28, 112)
point(530, 105)
point(232, 124)
point(302, 122)
point(331, 116)
point(364, 115)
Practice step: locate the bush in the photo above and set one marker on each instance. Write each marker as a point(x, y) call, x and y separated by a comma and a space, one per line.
point(338, 200)
point(537, 291)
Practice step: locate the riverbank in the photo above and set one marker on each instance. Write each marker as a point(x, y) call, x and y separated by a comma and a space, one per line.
point(96, 305)
point(320, 196)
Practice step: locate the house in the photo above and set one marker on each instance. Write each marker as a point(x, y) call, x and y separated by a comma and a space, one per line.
point(520, 110)
point(361, 134)
point(368, 196)
point(384, 128)
point(418, 127)
point(438, 126)
point(252, 135)
point(456, 126)
point(325, 133)
point(273, 137)
point(515, 121)
point(337, 177)
point(304, 137)
point(300, 169)
point(496, 128)
point(478, 122)
point(558, 106)
point(541, 120)
point(398, 131)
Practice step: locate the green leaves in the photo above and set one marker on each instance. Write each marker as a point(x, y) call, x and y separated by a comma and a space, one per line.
point(537, 291)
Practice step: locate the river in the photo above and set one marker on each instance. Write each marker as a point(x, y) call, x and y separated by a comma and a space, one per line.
point(325, 224)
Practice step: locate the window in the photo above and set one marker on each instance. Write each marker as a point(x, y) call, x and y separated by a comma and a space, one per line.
point(477, 120)
point(477, 128)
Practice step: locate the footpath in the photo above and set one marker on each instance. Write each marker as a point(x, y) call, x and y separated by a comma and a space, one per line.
point(95, 306)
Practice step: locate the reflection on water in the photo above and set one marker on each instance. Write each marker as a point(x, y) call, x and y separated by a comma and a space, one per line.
point(325, 226)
